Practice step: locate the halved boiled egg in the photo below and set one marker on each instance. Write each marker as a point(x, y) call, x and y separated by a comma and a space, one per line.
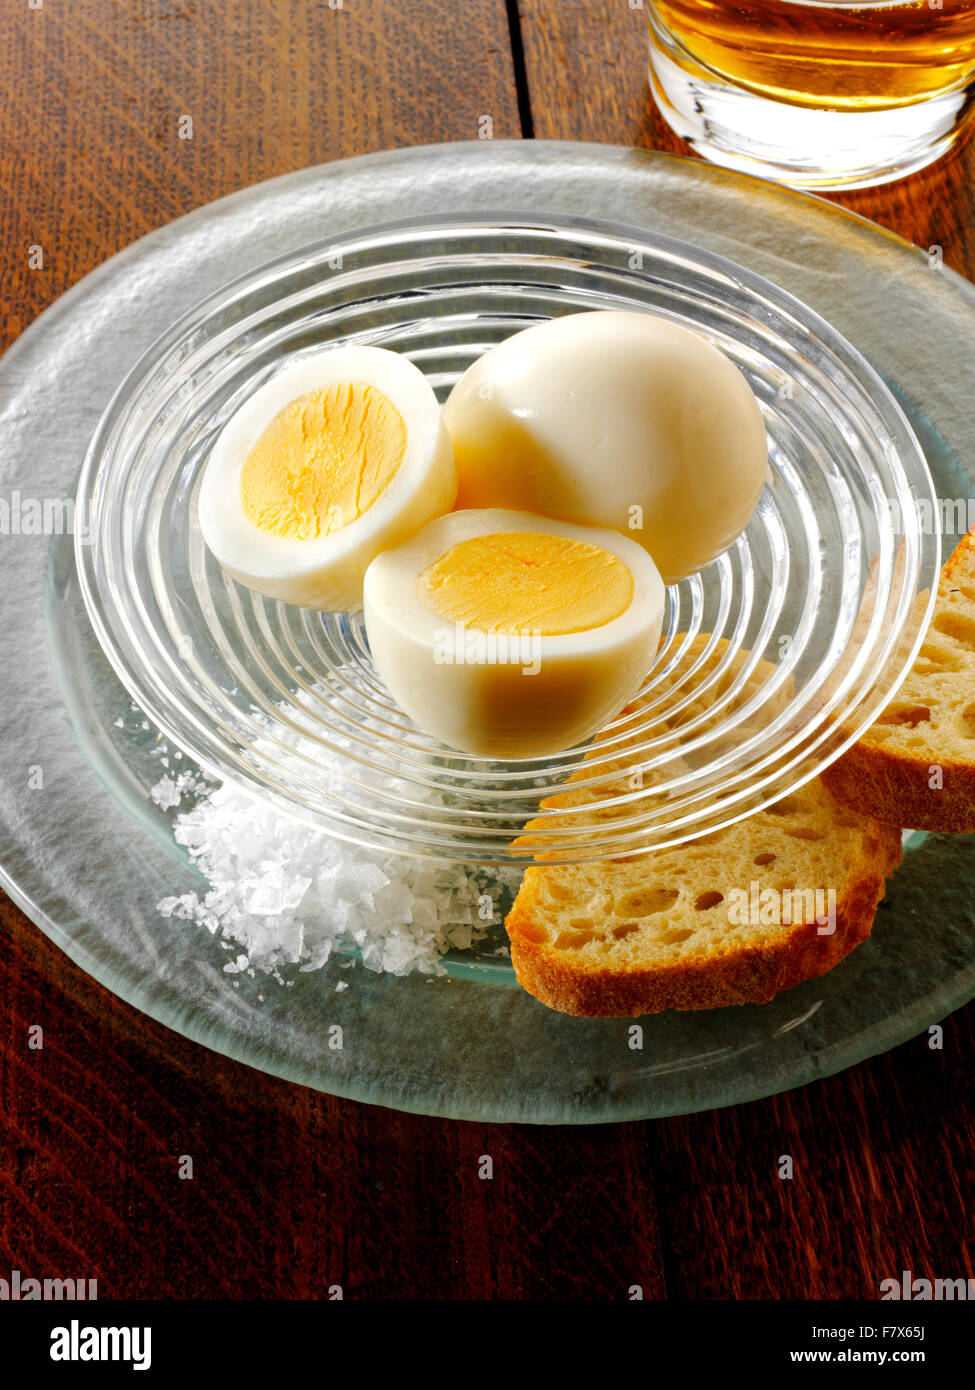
point(614, 418)
point(511, 635)
point(336, 457)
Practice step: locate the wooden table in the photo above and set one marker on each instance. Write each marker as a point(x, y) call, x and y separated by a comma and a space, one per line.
point(295, 1191)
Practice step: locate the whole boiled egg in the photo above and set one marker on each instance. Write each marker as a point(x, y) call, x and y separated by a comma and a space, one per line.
point(341, 453)
point(619, 419)
point(510, 635)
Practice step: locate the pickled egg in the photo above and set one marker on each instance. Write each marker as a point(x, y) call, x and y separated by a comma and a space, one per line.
point(339, 455)
point(619, 419)
point(510, 635)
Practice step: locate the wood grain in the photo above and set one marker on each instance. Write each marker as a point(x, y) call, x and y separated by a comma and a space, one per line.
point(883, 1176)
point(92, 95)
point(293, 1192)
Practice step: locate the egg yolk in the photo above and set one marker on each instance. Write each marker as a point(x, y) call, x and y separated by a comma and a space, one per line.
point(527, 582)
point(322, 461)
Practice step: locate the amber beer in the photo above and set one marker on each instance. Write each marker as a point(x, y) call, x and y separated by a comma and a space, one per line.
point(856, 58)
point(734, 79)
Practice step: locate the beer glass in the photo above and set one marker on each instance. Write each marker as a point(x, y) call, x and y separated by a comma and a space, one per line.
point(817, 93)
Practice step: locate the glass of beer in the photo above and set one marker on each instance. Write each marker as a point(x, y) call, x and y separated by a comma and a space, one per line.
point(816, 93)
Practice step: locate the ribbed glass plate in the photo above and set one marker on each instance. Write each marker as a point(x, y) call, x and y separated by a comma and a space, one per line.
point(88, 854)
point(819, 592)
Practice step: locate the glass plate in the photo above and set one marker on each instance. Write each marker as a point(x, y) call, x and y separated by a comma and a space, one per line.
point(88, 854)
point(812, 602)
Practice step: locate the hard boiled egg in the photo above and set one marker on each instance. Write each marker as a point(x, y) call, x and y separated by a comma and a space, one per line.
point(511, 635)
point(617, 419)
point(338, 455)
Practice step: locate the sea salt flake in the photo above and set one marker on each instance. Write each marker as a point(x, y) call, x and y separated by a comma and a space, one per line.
point(283, 893)
point(165, 794)
point(275, 893)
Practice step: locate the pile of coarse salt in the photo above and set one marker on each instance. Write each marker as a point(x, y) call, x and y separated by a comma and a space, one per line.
point(288, 893)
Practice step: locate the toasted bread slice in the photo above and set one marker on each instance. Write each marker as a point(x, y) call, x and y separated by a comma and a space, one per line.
point(915, 765)
point(707, 685)
point(667, 931)
point(708, 923)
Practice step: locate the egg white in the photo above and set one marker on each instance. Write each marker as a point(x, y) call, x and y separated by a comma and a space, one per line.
point(498, 710)
point(614, 418)
point(327, 571)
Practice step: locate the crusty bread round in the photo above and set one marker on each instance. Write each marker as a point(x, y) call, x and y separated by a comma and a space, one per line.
point(707, 685)
point(633, 936)
point(637, 936)
point(915, 766)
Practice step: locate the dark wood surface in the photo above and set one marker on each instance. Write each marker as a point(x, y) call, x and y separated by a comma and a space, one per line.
point(294, 1191)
